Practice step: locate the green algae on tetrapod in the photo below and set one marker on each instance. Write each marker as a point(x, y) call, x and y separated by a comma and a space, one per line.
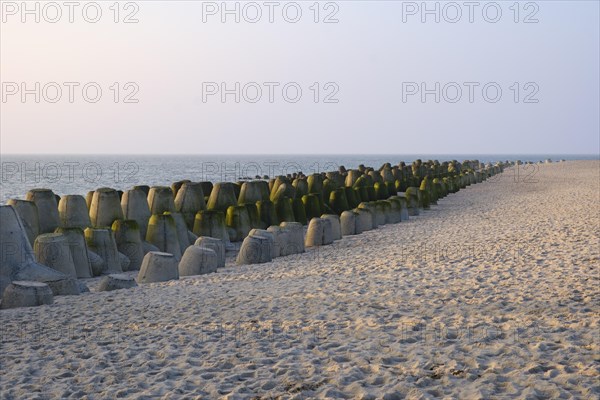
point(284, 210)
point(328, 187)
point(351, 196)
point(315, 183)
point(251, 192)
point(222, 197)
point(361, 194)
point(299, 211)
point(301, 186)
point(312, 206)
point(338, 201)
point(210, 223)
point(255, 221)
point(381, 191)
point(267, 213)
point(238, 220)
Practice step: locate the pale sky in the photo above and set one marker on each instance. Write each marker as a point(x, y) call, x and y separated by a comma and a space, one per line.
point(371, 61)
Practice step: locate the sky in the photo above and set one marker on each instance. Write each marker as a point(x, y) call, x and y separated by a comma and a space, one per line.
point(372, 77)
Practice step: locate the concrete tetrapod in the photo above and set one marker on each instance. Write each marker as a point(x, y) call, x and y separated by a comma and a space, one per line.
point(328, 187)
point(266, 212)
point(284, 189)
point(364, 220)
point(301, 187)
point(237, 188)
point(327, 231)
point(336, 229)
point(351, 177)
point(269, 235)
point(26, 294)
point(379, 212)
point(211, 223)
point(352, 197)
point(361, 193)
point(222, 197)
point(88, 198)
point(425, 198)
point(239, 222)
point(52, 250)
point(255, 221)
point(312, 206)
point(188, 201)
point(143, 188)
point(404, 207)
point(28, 213)
point(105, 207)
point(79, 251)
point(255, 250)
point(299, 211)
point(96, 262)
point(285, 212)
point(18, 260)
point(182, 232)
point(295, 238)
point(288, 190)
point(158, 267)
point(348, 223)
point(160, 200)
point(162, 232)
point(319, 232)
point(175, 186)
point(116, 282)
point(198, 261)
point(47, 207)
point(338, 201)
point(370, 207)
point(335, 177)
point(371, 193)
point(315, 183)
point(381, 191)
point(412, 198)
point(214, 244)
point(129, 242)
point(102, 242)
point(251, 192)
point(73, 212)
point(191, 237)
point(134, 204)
point(207, 188)
point(395, 210)
point(124, 261)
point(280, 240)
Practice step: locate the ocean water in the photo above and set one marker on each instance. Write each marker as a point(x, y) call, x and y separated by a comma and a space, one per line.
point(78, 174)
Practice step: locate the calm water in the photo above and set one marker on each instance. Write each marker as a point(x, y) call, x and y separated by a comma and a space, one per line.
point(78, 174)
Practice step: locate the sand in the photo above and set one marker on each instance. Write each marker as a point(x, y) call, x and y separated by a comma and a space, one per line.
point(493, 293)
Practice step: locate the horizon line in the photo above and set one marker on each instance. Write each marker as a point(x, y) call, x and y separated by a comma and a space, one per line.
point(294, 154)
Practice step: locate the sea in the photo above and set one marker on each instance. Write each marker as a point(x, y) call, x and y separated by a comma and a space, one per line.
point(78, 174)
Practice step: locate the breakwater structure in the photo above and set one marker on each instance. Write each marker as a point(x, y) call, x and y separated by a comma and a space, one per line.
point(49, 243)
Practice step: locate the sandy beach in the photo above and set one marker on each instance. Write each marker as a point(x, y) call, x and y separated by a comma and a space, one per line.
point(491, 294)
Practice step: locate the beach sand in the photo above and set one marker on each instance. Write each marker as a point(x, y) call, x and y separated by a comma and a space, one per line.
point(493, 293)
